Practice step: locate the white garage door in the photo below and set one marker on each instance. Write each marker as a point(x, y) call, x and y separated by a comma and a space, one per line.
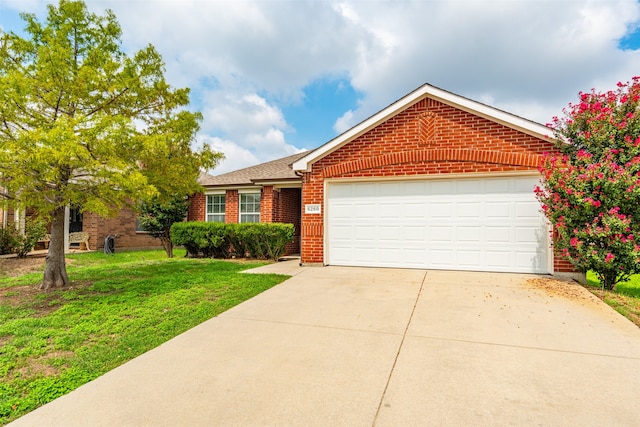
point(489, 224)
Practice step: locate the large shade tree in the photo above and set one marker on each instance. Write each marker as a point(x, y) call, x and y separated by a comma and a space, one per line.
point(84, 124)
point(591, 191)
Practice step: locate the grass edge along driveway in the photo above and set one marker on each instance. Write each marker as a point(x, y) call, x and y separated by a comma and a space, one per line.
point(116, 308)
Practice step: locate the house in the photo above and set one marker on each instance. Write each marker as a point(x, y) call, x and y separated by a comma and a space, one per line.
point(268, 192)
point(434, 181)
point(95, 227)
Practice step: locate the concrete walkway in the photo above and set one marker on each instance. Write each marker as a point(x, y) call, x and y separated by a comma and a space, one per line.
point(339, 346)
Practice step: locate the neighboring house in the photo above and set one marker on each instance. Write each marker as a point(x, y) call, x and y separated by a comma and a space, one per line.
point(268, 192)
point(434, 181)
point(123, 226)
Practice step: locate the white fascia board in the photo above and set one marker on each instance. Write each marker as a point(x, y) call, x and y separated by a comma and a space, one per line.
point(426, 91)
point(297, 183)
point(249, 190)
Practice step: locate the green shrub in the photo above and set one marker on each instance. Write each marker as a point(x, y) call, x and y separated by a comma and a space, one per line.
point(207, 239)
point(8, 239)
point(212, 239)
point(34, 230)
point(13, 242)
point(264, 240)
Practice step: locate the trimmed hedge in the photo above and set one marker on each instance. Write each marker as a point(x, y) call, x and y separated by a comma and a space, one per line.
point(218, 240)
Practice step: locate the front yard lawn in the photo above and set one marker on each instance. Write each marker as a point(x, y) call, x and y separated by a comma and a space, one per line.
point(625, 299)
point(117, 307)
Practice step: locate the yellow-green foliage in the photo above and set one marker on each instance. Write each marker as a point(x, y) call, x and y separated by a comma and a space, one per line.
point(82, 123)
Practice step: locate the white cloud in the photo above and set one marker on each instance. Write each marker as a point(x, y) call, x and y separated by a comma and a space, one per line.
point(236, 157)
point(245, 60)
point(344, 122)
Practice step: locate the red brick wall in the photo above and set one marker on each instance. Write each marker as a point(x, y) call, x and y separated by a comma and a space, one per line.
point(267, 204)
point(276, 205)
point(232, 207)
point(288, 209)
point(197, 207)
point(123, 226)
point(429, 138)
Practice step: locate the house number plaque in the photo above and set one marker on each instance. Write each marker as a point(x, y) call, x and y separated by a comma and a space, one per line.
point(312, 209)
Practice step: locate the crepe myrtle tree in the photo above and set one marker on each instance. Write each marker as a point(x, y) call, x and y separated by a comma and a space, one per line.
point(84, 124)
point(590, 192)
point(157, 217)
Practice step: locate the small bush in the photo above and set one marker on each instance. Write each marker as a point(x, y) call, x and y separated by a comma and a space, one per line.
point(8, 240)
point(13, 242)
point(207, 239)
point(34, 230)
point(265, 241)
point(211, 239)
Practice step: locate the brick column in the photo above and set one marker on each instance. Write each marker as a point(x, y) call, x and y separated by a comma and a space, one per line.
point(197, 207)
point(232, 207)
point(266, 204)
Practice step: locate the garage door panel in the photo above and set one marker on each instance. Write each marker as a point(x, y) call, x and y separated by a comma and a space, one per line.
point(475, 224)
point(524, 186)
point(437, 210)
point(467, 186)
point(530, 259)
point(441, 234)
point(441, 257)
point(497, 186)
point(498, 260)
point(413, 233)
point(497, 211)
point(364, 210)
point(469, 233)
point(528, 234)
point(470, 210)
point(469, 258)
point(527, 209)
point(363, 233)
point(412, 210)
point(498, 234)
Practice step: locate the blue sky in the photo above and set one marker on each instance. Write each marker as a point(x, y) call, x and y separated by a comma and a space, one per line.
point(631, 41)
point(275, 77)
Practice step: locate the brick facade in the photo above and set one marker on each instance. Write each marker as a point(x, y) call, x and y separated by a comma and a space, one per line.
point(232, 207)
point(267, 203)
point(122, 226)
point(276, 205)
point(197, 207)
point(428, 138)
point(288, 209)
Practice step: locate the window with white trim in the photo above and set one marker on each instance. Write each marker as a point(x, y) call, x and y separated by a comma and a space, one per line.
point(216, 205)
point(250, 207)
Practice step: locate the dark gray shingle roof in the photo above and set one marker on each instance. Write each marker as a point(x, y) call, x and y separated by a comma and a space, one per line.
point(279, 169)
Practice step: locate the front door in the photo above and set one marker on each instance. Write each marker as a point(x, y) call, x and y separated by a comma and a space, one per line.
point(75, 220)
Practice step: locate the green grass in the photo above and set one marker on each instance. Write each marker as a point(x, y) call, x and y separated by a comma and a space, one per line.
point(116, 308)
point(625, 299)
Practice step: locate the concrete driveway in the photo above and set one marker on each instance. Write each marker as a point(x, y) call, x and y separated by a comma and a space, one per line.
point(339, 346)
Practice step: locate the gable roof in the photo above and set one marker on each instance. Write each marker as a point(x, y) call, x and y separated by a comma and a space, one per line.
point(274, 170)
point(426, 91)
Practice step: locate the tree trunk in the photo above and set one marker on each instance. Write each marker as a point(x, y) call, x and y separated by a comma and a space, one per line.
point(167, 244)
point(55, 271)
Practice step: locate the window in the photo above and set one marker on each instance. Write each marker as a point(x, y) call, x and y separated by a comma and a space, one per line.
point(139, 228)
point(250, 207)
point(215, 207)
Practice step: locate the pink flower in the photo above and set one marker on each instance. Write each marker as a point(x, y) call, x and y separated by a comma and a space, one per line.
point(609, 258)
point(574, 241)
